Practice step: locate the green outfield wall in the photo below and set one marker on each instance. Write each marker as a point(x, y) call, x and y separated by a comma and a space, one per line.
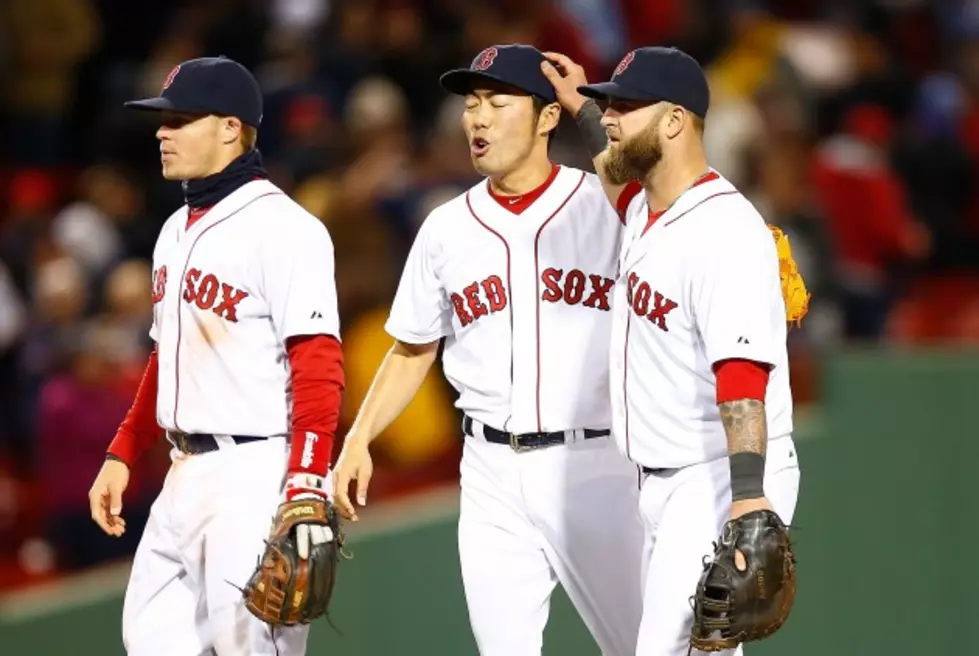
point(887, 527)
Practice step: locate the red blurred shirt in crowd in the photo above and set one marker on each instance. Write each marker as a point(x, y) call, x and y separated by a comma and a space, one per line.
point(553, 30)
point(863, 199)
point(969, 130)
point(73, 419)
point(649, 22)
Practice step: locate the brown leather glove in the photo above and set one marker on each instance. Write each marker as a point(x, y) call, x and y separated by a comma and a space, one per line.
point(293, 583)
point(731, 605)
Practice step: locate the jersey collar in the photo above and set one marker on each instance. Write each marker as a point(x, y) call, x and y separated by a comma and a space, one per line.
point(551, 199)
point(517, 204)
point(653, 217)
point(228, 205)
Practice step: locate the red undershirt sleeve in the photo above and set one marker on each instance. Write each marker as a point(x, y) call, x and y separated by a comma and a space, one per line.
point(139, 429)
point(317, 390)
point(741, 379)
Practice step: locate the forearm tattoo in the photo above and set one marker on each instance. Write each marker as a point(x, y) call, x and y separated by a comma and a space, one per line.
point(745, 425)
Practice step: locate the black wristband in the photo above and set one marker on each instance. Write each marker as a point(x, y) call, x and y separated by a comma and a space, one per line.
point(747, 476)
point(589, 120)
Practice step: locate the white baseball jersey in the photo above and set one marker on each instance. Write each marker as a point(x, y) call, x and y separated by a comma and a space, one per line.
point(227, 293)
point(698, 286)
point(523, 301)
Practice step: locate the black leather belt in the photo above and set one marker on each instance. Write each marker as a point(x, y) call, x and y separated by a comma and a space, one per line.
point(527, 441)
point(196, 443)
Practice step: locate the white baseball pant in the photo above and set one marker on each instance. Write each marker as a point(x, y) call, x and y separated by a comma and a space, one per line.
point(565, 513)
point(204, 537)
point(684, 511)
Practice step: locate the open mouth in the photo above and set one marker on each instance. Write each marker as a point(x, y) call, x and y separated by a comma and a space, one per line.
point(478, 146)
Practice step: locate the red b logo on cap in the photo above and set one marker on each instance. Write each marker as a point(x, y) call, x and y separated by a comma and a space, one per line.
point(624, 64)
point(167, 82)
point(485, 59)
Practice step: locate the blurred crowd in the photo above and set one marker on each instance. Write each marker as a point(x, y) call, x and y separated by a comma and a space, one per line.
point(852, 124)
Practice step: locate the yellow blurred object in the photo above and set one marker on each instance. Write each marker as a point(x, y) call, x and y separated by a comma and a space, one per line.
point(749, 63)
point(428, 425)
point(319, 195)
point(793, 286)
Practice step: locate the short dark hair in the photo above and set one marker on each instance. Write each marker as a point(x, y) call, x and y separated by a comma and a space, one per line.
point(249, 136)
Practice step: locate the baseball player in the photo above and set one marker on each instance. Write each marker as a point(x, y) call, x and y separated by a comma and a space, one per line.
point(244, 309)
point(699, 370)
point(516, 275)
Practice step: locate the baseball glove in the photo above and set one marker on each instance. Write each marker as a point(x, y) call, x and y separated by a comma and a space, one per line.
point(287, 588)
point(732, 605)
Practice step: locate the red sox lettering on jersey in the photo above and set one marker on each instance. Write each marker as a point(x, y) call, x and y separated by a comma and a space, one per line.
point(572, 290)
point(490, 296)
point(697, 286)
point(513, 295)
point(469, 305)
point(639, 298)
point(202, 290)
point(216, 308)
point(159, 284)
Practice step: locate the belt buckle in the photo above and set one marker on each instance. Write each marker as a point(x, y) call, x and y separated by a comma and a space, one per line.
point(516, 445)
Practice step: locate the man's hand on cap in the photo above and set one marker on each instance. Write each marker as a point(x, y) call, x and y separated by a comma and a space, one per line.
point(565, 76)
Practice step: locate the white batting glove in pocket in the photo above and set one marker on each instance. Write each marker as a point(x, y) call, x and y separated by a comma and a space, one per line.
point(310, 535)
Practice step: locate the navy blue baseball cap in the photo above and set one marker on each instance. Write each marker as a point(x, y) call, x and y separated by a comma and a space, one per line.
point(209, 85)
point(656, 74)
point(515, 65)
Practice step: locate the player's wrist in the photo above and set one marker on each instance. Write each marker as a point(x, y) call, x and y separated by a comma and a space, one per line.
point(123, 446)
point(116, 458)
point(305, 485)
point(357, 439)
point(747, 475)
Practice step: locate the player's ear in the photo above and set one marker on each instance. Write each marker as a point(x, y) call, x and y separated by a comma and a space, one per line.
point(230, 129)
point(549, 118)
point(675, 120)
